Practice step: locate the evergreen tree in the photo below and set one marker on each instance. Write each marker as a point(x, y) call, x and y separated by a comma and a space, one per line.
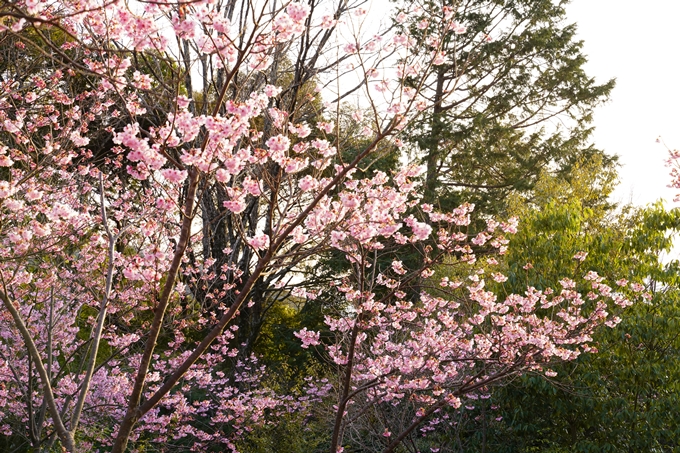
point(509, 98)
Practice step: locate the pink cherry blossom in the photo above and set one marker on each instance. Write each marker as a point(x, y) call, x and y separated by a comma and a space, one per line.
point(581, 256)
point(327, 127)
point(278, 143)
point(175, 176)
point(457, 28)
point(327, 22)
point(5, 161)
point(259, 241)
point(308, 183)
point(297, 11)
point(308, 337)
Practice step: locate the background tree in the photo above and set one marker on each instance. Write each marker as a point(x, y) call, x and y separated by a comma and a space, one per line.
point(620, 398)
point(509, 98)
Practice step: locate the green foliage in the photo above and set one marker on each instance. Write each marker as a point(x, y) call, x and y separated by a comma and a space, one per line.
point(625, 397)
point(493, 129)
point(278, 346)
point(293, 434)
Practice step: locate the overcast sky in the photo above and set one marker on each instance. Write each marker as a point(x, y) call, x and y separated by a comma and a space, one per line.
point(636, 43)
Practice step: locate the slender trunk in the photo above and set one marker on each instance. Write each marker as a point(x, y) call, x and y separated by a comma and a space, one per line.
point(133, 412)
point(346, 385)
point(97, 334)
point(433, 152)
point(345, 397)
point(64, 435)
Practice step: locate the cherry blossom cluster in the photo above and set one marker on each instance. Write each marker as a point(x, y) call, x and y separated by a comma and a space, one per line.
point(443, 345)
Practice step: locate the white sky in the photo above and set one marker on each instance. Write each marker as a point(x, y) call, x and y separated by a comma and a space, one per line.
point(637, 44)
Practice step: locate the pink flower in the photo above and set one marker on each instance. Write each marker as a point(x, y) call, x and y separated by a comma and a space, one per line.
point(14, 205)
point(33, 194)
point(637, 287)
point(327, 22)
point(398, 267)
point(183, 101)
point(308, 337)
point(5, 161)
point(308, 183)
point(581, 256)
point(350, 48)
point(498, 277)
point(299, 236)
point(260, 61)
point(5, 189)
point(235, 206)
point(439, 58)
point(237, 203)
point(272, 91)
point(457, 28)
point(251, 186)
point(299, 292)
point(279, 143)
point(421, 230)
point(259, 241)
point(324, 147)
point(301, 130)
point(295, 165)
point(18, 25)
point(510, 226)
point(350, 200)
point(298, 11)
point(164, 204)
point(222, 175)
point(79, 140)
point(613, 322)
point(173, 175)
point(592, 276)
point(327, 127)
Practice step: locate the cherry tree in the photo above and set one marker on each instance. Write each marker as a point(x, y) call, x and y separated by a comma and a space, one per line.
point(169, 165)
